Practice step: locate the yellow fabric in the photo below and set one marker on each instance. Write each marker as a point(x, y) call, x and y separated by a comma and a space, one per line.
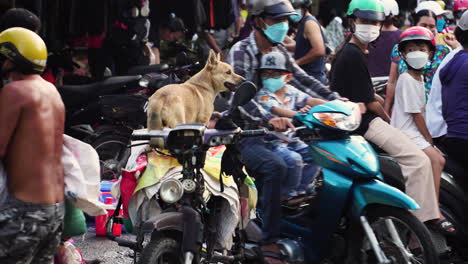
point(159, 165)
point(27, 43)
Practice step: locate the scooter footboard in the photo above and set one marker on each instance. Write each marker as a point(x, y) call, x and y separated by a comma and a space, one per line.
point(377, 192)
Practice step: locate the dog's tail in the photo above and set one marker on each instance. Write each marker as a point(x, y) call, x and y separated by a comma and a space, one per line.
point(154, 116)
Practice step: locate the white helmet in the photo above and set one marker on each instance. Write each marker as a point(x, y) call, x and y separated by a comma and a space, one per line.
point(463, 22)
point(432, 6)
point(274, 61)
point(390, 7)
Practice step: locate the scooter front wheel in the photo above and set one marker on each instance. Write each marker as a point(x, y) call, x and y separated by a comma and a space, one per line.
point(400, 236)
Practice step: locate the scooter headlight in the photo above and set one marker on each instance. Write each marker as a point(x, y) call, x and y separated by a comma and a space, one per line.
point(171, 191)
point(339, 120)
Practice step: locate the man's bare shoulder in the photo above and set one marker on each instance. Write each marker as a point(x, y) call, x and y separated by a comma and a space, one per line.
point(16, 92)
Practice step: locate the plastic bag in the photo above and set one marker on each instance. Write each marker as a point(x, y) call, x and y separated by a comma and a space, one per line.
point(82, 176)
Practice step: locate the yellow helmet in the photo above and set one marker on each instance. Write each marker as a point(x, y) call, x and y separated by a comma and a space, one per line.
point(25, 48)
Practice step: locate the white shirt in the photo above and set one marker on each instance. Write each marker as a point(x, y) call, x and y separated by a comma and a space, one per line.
point(434, 120)
point(410, 99)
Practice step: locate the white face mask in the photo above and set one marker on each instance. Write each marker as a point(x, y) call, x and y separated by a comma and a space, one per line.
point(367, 33)
point(417, 59)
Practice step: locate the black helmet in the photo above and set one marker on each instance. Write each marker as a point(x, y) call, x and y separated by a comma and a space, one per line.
point(301, 3)
point(271, 8)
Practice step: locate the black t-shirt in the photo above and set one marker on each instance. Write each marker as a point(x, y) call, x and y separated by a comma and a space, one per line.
point(351, 79)
point(154, 35)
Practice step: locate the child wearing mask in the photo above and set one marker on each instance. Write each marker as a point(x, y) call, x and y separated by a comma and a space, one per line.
point(417, 45)
point(284, 100)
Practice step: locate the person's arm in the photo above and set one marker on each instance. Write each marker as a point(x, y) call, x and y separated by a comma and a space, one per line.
point(376, 108)
point(392, 79)
point(212, 43)
point(314, 101)
point(241, 63)
point(451, 41)
point(313, 34)
point(283, 112)
point(157, 56)
point(9, 114)
point(380, 100)
point(421, 125)
point(289, 43)
point(391, 84)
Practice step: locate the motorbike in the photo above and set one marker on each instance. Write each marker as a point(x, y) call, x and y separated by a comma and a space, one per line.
point(105, 113)
point(380, 85)
point(198, 214)
point(453, 199)
point(355, 217)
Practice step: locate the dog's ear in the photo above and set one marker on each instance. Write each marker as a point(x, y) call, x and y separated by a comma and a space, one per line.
point(212, 60)
point(218, 56)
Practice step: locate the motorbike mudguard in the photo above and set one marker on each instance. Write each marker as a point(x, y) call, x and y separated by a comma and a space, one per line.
point(165, 221)
point(377, 192)
point(186, 221)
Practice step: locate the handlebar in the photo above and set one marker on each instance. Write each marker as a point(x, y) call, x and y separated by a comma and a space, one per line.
point(253, 133)
point(180, 68)
point(141, 137)
point(164, 133)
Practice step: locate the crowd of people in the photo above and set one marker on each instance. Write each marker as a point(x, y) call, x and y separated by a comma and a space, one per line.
point(282, 48)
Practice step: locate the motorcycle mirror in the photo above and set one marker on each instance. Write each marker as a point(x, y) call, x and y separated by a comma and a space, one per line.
point(244, 93)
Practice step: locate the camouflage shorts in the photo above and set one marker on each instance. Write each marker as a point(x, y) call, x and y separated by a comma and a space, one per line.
point(29, 233)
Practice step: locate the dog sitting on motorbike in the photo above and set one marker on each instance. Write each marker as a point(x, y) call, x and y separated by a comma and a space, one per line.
point(192, 101)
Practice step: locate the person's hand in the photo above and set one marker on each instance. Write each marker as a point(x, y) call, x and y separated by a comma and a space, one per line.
point(451, 41)
point(430, 141)
point(281, 124)
point(305, 109)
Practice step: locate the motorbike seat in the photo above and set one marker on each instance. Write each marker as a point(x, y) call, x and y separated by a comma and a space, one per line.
point(144, 69)
point(73, 95)
point(391, 172)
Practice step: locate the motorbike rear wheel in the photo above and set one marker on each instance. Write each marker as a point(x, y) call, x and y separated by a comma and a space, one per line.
point(162, 250)
point(416, 242)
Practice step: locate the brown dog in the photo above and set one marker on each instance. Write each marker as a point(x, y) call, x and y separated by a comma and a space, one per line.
point(192, 101)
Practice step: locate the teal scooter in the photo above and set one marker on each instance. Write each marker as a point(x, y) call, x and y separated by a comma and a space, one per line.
point(354, 217)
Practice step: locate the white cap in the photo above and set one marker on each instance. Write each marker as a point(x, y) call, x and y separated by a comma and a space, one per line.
point(390, 7)
point(274, 61)
point(432, 6)
point(463, 22)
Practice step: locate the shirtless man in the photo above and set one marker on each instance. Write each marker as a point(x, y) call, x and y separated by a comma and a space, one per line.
point(31, 138)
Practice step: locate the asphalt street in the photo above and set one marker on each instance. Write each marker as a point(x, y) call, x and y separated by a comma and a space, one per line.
point(107, 251)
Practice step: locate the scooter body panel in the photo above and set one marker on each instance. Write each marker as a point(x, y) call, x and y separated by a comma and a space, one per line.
point(377, 192)
point(333, 200)
point(350, 155)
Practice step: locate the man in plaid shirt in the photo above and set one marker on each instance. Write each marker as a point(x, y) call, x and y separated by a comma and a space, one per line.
point(270, 19)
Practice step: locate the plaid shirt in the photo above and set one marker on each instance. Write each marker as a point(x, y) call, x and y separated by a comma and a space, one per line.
point(245, 58)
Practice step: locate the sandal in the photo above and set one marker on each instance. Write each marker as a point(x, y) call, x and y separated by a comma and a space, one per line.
point(269, 257)
point(443, 227)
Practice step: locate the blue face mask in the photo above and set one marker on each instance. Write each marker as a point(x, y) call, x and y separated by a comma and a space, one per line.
point(273, 84)
point(298, 17)
point(276, 33)
point(440, 24)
